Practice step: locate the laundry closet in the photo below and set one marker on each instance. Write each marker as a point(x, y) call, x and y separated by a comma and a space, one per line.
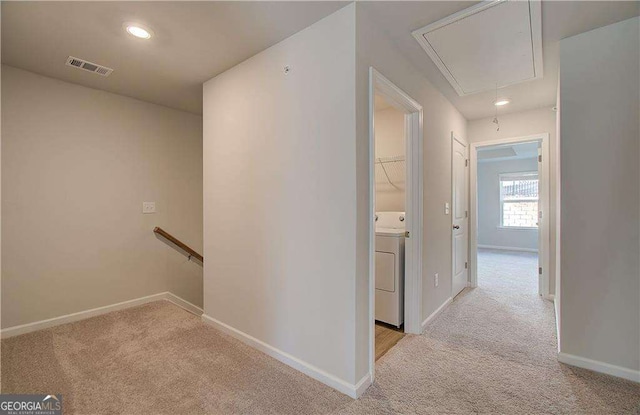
point(390, 184)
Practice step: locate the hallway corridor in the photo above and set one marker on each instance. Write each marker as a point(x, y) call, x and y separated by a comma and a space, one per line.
point(509, 272)
point(493, 350)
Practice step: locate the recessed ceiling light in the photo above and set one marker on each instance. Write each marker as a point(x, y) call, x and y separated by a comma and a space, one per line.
point(138, 30)
point(501, 102)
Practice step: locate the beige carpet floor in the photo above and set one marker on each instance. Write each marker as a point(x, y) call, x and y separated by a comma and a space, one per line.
point(492, 352)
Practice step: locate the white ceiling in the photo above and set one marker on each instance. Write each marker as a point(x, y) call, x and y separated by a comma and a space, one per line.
point(495, 44)
point(508, 152)
point(193, 41)
point(560, 19)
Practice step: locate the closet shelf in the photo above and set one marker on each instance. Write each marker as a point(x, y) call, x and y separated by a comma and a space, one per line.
point(390, 171)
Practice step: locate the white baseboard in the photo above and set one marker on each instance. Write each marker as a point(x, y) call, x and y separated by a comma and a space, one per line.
point(362, 385)
point(556, 308)
point(184, 304)
point(550, 297)
point(601, 367)
point(352, 390)
point(435, 314)
point(82, 315)
point(508, 248)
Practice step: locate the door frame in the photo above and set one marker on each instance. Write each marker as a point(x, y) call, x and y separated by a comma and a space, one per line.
point(543, 201)
point(413, 127)
point(455, 137)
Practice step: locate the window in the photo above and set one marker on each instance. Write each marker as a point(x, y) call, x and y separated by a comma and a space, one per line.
point(519, 200)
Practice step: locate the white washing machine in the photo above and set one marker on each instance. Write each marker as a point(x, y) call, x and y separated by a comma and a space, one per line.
point(390, 233)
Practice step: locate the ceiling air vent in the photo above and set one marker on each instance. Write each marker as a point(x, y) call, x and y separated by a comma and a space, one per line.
point(88, 66)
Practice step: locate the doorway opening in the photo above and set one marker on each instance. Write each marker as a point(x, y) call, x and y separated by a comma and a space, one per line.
point(395, 238)
point(510, 205)
point(390, 196)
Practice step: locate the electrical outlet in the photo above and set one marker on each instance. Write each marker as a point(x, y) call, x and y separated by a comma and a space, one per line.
point(435, 279)
point(148, 207)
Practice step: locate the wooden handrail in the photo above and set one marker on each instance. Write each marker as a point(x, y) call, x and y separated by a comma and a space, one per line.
point(179, 244)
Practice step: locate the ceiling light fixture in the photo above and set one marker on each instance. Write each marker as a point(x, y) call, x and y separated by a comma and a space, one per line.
point(501, 102)
point(497, 103)
point(138, 30)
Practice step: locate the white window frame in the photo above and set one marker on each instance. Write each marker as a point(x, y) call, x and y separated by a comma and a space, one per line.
point(515, 176)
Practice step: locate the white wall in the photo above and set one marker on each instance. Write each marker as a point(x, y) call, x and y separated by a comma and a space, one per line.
point(390, 142)
point(77, 163)
point(0, 194)
point(558, 204)
point(280, 198)
point(600, 285)
point(286, 265)
point(375, 49)
point(522, 124)
point(489, 231)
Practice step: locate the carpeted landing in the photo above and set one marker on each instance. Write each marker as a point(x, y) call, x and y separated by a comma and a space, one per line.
point(492, 351)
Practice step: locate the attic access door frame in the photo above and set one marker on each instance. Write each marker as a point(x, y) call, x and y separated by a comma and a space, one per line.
point(544, 243)
point(413, 117)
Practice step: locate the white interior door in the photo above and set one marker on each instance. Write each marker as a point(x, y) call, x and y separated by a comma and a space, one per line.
point(541, 183)
point(460, 215)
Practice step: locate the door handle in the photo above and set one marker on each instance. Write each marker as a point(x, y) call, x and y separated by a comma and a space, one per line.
point(456, 227)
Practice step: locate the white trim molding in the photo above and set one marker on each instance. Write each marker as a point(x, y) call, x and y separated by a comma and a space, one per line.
point(507, 248)
point(436, 313)
point(94, 312)
point(414, 222)
point(184, 304)
point(516, 228)
point(556, 308)
point(352, 390)
point(544, 243)
point(363, 385)
point(601, 367)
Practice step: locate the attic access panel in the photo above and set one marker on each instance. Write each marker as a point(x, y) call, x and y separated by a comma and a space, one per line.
point(494, 42)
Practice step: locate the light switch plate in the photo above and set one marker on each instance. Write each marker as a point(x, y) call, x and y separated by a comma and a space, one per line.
point(435, 279)
point(148, 207)
point(446, 208)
